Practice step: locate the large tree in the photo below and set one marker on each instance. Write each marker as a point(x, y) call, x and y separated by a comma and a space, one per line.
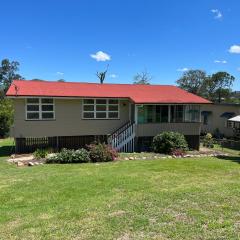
point(218, 86)
point(215, 87)
point(8, 72)
point(193, 81)
point(142, 78)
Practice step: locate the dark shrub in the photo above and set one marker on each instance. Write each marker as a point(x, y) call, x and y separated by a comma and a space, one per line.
point(100, 152)
point(70, 156)
point(167, 142)
point(40, 153)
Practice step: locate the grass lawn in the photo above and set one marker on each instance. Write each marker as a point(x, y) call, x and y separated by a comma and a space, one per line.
point(227, 150)
point(141, 199)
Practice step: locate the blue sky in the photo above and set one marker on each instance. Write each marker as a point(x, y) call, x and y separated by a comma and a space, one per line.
point(60, 39)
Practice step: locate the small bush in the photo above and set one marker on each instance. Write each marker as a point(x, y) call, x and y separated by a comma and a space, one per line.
point(100, 152)
point(178, 152)
point(167, 142)
point(208, 141)
point(40, 153)
point(70, 156)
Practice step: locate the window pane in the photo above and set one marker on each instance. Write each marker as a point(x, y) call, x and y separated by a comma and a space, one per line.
point(33, 100)
point(142, 114)
point(112, 101)
point(113, 114)
point(150, 110)
point(33, 115)
point(88, 107)
point(47, 107)
point(47, 116)
point(47, 100)
point(32, 107)
point(88, 115)
point(88, 101)
point(164, 114)
point(101, 107)
point(113, 107)
point(101, 101)
point(101, 115)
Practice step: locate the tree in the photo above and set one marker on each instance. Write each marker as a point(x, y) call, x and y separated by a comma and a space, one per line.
point(6, 116)
point(102, 75)
point(61, 80)
point(8, 73)
point(218, 86)
point(193, 81)
point(142, 78)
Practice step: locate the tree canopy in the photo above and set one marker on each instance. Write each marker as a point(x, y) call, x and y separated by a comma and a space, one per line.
point(142, 78)
point(215, 87)
point(8, 72)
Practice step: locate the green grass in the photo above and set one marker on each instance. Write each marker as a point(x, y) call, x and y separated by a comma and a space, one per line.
point(226, 150)
point(140, 199)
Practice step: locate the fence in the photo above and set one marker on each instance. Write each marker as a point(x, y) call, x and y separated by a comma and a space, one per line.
point(28, 145)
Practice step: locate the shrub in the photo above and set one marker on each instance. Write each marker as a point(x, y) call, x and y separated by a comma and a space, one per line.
point(167, 142)
point(208, 141)
point(178, 152)
point(70, 156)
point(40, 153)
point(100, 152)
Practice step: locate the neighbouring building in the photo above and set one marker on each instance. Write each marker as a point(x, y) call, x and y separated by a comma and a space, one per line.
point(214, 119)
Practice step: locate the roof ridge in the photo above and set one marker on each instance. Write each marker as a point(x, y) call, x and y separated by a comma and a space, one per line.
point(131, 84)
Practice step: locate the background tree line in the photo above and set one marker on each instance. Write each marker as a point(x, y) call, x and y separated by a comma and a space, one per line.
point(216, 87)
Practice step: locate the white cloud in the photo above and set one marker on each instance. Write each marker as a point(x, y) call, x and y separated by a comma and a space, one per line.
point(217, 13)
point(60, 73)
point(101, 56)
point(113, 75)
point(182, 69)
point(220, 61)
point(238, 69)
point(234, 49)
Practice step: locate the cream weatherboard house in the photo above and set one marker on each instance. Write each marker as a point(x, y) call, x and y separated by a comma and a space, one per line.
point(127, 116)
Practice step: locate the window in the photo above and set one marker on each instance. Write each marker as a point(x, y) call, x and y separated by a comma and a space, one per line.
point(205, 119)
point(100, 109)
point(40, 109)
point(192, 113)
point(177, 113)
point(229, 124)
point(152, 114)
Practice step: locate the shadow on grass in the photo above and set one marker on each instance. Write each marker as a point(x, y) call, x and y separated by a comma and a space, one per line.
point(6, 151)
point(230, 158)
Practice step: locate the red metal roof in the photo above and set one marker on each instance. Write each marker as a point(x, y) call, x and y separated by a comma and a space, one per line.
point(137, 93)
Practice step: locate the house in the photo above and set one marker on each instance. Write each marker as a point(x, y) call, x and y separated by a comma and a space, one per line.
point(128, 116)
point(235, 124)
point(215, 118)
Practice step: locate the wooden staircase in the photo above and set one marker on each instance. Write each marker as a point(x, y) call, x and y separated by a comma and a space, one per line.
point(123, 138)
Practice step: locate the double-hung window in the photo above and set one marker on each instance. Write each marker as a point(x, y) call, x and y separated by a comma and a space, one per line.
point(100, 109)
point(40, 109)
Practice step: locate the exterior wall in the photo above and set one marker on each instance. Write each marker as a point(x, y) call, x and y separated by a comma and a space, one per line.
point(214, 119)
point(152, 129)
point(69, 122)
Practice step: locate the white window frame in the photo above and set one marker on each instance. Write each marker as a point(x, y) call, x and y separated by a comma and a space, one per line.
point(94, 104)
point(40, 104)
